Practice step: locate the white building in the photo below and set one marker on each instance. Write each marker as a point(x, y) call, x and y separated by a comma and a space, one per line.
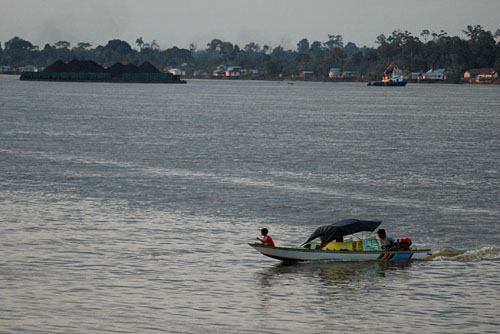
point(306, 75)
point(335, 73)
point(439, 74)
point(233, 72)
point(5, 69)
point(220, 71)
point(481, 74)
point(176, 71)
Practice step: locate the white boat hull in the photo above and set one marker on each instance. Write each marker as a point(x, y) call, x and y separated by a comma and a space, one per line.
point(302, 254)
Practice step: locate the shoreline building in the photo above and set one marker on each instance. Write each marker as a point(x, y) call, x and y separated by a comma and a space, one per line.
point(480, 74)
point(438, 74)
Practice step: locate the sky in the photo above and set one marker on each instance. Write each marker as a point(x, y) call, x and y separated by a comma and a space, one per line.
point(272, 22)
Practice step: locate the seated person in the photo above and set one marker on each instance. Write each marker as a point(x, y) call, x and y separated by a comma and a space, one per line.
point(266, 240)
point(387, 243)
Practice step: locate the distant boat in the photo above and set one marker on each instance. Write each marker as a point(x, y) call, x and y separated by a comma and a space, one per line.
point(393, 76)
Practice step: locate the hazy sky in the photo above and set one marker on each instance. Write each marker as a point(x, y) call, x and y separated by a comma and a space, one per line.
point(274, 22)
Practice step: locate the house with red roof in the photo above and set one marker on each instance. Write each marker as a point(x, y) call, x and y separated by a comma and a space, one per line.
point(480, 74)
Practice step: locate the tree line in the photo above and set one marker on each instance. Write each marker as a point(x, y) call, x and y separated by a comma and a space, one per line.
point(429, 50)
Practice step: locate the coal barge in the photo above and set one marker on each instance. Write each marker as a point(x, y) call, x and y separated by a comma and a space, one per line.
point(89, 71)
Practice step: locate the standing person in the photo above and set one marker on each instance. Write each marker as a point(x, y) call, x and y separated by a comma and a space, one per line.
point(387, 243)
point(266, 240)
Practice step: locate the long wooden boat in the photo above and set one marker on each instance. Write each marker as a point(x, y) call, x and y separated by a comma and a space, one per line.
point(304, 254)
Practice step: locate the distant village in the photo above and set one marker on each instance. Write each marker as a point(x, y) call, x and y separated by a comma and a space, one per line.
point(481, 75)
point(476, 75)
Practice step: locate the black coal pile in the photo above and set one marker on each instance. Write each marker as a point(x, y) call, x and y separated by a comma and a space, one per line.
point(131, 68)
point(147, 67)
point(74, 66)
point(118, 69)
point(57, 66)
point(89, 66)
point(84, 66)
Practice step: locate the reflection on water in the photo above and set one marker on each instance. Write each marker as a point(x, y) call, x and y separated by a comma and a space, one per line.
point(333, 294)
point(329, 273)
point(346, 296)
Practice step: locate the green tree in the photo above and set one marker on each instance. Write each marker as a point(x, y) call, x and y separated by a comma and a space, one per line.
point(381, 40)
point(483, 47)
point(192, 47)
point(334, 41)
point(175, 56)
point(154, 45)
point(473, 32)
point(17, 43)
point(351, 49)
point(274, 67)
point(62, 44)
point(497, 65)
point(115, 51)
point(303, 46)
point(356, 59)
point(481, 43)
point(84, 46)
point(252, 47)
point(384, 47)
point(118, 46)
point(215, 45)
point(140, 42)
point(338, 57)
point(425, 34)
point(316, 49)
point(18, 52)
point(228, 51)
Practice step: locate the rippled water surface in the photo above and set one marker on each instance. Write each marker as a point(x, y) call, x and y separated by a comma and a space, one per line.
point(127, 208)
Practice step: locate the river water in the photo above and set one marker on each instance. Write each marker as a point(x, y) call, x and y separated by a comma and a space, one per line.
point(127, 208)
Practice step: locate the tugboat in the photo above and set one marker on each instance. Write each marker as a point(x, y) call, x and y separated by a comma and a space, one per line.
point(393, 76)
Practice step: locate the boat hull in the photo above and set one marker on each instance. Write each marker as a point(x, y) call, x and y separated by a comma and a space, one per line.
point(301, 254)
point(388, 84)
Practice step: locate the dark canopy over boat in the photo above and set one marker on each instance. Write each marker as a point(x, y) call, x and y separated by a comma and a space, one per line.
point(332, 232)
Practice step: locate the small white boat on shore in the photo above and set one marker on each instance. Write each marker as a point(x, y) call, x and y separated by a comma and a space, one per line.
point(364, 249)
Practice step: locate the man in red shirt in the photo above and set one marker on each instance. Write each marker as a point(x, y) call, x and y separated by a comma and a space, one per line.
point(266, 240)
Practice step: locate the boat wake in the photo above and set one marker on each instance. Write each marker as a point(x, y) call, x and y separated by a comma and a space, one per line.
point(450, 254)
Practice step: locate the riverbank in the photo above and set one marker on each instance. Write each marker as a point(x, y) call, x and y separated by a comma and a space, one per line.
point(490, 82)
point(183, 80)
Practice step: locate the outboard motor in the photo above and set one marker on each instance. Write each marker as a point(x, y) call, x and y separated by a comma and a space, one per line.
point(404, 244)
